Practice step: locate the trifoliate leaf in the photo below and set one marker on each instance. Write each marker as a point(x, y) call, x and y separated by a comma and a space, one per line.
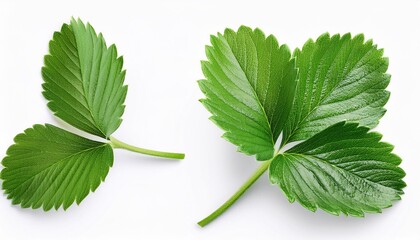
point(250, 84)
point(340, 78)
point(50, 167)
point(84, 80)
point(341, 169)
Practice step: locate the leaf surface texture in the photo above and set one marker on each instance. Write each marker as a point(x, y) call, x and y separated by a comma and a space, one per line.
point(343, 169)
point(249, 87)
point(83, 80)
point(50, 167)
point(340, 78)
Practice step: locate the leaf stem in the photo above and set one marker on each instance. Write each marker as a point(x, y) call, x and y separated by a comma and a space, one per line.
point(261, 169)
point(115, 143)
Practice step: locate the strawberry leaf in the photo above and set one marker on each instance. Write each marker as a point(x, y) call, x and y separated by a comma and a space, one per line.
point(50, 167)
point(340, 78)
point(341, 169)
point(249, 88)
point(83, 83)
point(84, 80)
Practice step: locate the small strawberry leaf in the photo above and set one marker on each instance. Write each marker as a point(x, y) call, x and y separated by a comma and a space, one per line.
point(84, 80)
point(341, 169)
point(250, 84)
point(50, 167)
point(83, 83)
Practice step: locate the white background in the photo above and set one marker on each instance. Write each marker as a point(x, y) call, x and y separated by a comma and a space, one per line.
point(163, 43)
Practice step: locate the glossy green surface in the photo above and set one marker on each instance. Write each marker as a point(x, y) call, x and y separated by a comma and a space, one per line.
point(342, 169)
point(256, 90)
point(249, 88)
point(340, 78)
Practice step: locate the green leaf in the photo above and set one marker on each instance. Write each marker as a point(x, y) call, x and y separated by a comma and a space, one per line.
point(249, 88)
point(84, 85)
point(84, 80)
point(340, 78)
point(49, 167)
point(341, 169)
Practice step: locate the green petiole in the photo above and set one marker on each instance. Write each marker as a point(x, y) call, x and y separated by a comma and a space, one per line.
point(115, 143)
point(261, 169)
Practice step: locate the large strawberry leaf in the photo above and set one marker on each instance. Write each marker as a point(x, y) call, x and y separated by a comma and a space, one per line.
point(84, 80)
point(250, 84)
point(50, 167)
point(340, 167)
